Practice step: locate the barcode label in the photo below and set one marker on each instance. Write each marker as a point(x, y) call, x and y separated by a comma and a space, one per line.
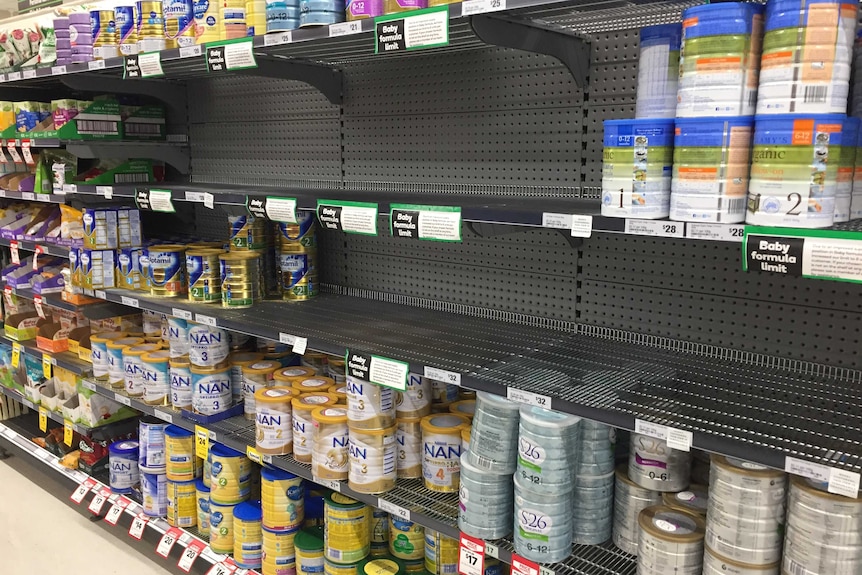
point(796, 568)
point(144, 129)
point(140, 178)
point(480, 461)
point(736, 204)
point(815, 94)
point(98, 127)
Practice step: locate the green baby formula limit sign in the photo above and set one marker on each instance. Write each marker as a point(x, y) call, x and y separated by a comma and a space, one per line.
point(230, 55)
point(817, 254)
point(437, 223)
point(428, 28)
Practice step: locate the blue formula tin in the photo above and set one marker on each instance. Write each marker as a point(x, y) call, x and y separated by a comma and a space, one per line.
point(154, 493)
point(721, 19)
point(167, 270)
point(123, 461)
point(124, 17)
point(795, 13)
point(151, 444)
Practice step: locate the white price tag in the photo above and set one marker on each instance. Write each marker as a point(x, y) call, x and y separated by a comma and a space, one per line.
point(12, 76)
point(89, 385)
point(96, 65)
point(299, 345)
point(129, 301)
point(28, 74)
point(330, 483)
point(651, 429)
point(679, 439)
point(116, 510)
point(100, 294)
point(70, 188)
point(844, 483)
point(163, 416)
point(556, 221)
point(181, 313)
point(528, 397)
point(106, 191)
point(492, 550)
point(479, 6)
point(81, 492)
point(471, 556)
point(58, 70)
point(286, 338)
point(190, 554)
point(28, 196)
point(209, 200)
point(206, 320)
point(191, 51)
point(123, 399)
point(137, 528)
point(393, 509)
point(276, 38)
point(28, 159)
point(97, 503)
point(807, 469)
point(37, 303)
point(655, 228)
point(438, 374)
point(16, 157)
point(582, 226)
point(345, 28)
point(715, 232)
point(196, 197)
point(169, 539)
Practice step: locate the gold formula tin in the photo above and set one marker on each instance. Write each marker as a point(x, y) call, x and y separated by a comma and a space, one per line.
point(204, 275)
point(167, 270)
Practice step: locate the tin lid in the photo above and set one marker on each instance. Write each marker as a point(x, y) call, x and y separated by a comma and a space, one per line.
point(375, 432)
point(261, 367)
point(295, 373)
point(182, 361)
point(273, 474)
point(387, 565)
point(328, 414)
point(201, 486)
point(276, 394)
point(124, 447)
point(694, 499)
point(124, 342)
point(464, 407)
point(221, 450)
point(742, 567)
point(161, 356)
point(310, 401)
point(818, 489)
point(141, 349)
point(747, 468)
point(548, 419)
point(445, 423)
point(245, 358)
point(670, 524)
point(174, 431)
point(107, 336)
point(309, 539)
point(314, 383)
point(248, 511)
point(336, 499)
point(198, 370)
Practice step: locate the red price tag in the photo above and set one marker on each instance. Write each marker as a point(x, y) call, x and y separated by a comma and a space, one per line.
point(39, 251)
point(82, 490)
point(37, 303)
point(169, 539)
point(224, 568)
point(98, 501)
point(116, 511)
point(13, 151)
point(25, 151)
point(13, 247)
point(137, 528)
point(190, 554)
point(471, 558)
point(521, 566)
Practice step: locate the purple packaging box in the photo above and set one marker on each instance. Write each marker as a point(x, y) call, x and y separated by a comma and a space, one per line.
point(52, 284)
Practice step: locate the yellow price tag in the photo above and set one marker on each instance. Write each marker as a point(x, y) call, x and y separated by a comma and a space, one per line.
point(202, 442)
point(43, 419)
point(253, 454)
point(16, 354)
point(68, 432)
point(46, 365)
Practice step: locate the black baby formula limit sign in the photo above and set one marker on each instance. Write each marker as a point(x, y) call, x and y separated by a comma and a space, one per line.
point(437, 223)
point(378, 370)
point(231, 55)
point(147, 65)
point(817, 254)
point(427, 28)
point(349, 217)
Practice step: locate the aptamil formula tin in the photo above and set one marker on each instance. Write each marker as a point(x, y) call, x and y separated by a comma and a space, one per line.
point(273, 420)
point(369, 406)
point(719, 60)
point(179, 23)
point(710, 169)
point(441, 450)
point(211, 390)
point(154, 494)
point(283, 499)
point(181, 464)
point(658, 71)
point(221, 528)
point(346, 535)
point(182, 504)
point(99, 353)
point(231, 475)
point(181, 383)
point(167, 270)
point(636, 168)
point(247, 535)
point(794, 170)
point(151, 439)
point(155, 373)
point(670, 541)
point(629, 500)
point(105, 38)
point(123, 461)
point(846, 170)
point(807, 51)
point(653, 465)
point(204, 274)
point(202, 493)
point(208, 346)
point(124, 17)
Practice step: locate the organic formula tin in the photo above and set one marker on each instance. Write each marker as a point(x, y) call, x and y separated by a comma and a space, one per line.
point(247, 535)
point(670, 541)
point(221, 528)
point(156, 377)
point(346, 535)
point(167, 270)
point(658, 71)
point(282, 496)
point(124, 18)
point(99, 353)
point(329, 457)
point(182, 504)
point(181, 383)
point(208, 346)
point(151, 440)
point(179, 23)
point(372, 454)
point(154, 494)
point(202, 493)
point(807, 51)
point(204, 273)
point(303, 425)
point(441, 451)
point(256, 376)
point(116, 347)
point(369, 406)
point(231, 475)
point(211, 390)
point(636, 168)
point(406, 539)
point(653, 465)
point(273, 421)
point(710, 169)
point(181, 464)
point(308, 544)
point(719, 60)
point(123, 462)
point(794, 170)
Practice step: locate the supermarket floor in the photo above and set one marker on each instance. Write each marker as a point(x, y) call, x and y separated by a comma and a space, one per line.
point(41, 534)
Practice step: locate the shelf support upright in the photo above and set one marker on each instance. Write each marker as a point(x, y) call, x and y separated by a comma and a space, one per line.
point(327, 80)
point(538, 37)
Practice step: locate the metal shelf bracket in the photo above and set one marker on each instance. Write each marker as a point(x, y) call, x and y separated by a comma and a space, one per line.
point(538, 37)
point(328, 80)
point(173, 95)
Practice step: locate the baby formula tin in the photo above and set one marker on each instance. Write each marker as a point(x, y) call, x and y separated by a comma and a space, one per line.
point(273, 421)
point(658, 71)
point(441, 449)
point(329, 457)
point(181, 464)
point(151, 439)
point(208, 346)
point(670, 541)
point(653, 465)
point(124, 17)
point(154, 494)
point(303, 425)
point(204, 275)
point(99, 353)
point(179, 23)
point(369, 406)
point(221, 528)
point(182, 504)
point(308, 545)
point(123, 461)
point(156, 377)
point(181, 383)
point(178, 336)
point(202, 493)
point(211, 390)
point(283, 499)
point(247, 535)
point(231, 475)
point(346, 535)
point(167, 270)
